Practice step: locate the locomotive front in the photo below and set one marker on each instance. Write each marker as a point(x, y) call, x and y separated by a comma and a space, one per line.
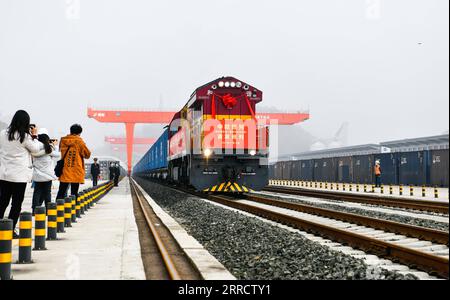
point(216, 143)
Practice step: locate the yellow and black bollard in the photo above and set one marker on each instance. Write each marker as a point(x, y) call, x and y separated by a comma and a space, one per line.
point(81, 200)
point(337, 186)
point(52, 222)
point(382, 189)
point(326, 185)
point(400, 192)
point(331, 186)
point(350, 188)
point(77, 208)
point(25, 240)
point(365, 188)
point(6, 234)
point(391, 190)
point(424, 194)
point(343, 187)
point(373, 188)
point(60, 216)
point(39, 228)
point(411, 190)
point(436, 192)
point(89, 199)
point(67, 212)
point(73, 210)
point(357, 187)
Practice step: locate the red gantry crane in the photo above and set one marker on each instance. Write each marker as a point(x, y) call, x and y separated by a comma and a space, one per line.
point(132, 117)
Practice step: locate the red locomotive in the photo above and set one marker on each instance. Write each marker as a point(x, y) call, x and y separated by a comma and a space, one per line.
point(216, 144)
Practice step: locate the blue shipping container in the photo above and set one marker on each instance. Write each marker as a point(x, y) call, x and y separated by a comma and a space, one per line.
point(156, 157)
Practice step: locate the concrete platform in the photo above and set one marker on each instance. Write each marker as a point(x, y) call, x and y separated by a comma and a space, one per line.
point(207, 265)
point(443, 193)
point(104, 244)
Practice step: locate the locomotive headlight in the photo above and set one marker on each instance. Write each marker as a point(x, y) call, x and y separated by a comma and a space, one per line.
point(233, 84)
point(227, 84)
point(221, 84)
point(239, 84)
point(252, 152)
point(207, 152)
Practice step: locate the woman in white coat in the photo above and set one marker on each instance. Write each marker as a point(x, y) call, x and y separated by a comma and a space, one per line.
point(16, 145)
point(44, 170)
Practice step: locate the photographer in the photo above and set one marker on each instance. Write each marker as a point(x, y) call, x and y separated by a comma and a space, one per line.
point(43, 169)
point(17, 143)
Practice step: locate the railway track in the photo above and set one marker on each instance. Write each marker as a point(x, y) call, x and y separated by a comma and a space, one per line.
point(395, 251)
point(414, 204)
point(428, 234)
point(163, 258)
point(382, 238)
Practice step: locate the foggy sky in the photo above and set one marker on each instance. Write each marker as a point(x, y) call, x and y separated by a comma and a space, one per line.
point(384, 70)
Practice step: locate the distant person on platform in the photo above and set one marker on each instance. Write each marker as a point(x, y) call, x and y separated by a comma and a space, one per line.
point(116, 174)
point(95, 172)
point(73, 151)
point(112, 171)
point(377, 171)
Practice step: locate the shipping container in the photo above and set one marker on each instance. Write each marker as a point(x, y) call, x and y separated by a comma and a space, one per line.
point(362, 169)
point(439, 167)
point(344, 169)
point(278, 171)
point(413, 168)
point(307, 170)
point(286, 171)
point(296, 170)
point(389, 163)
point(325, 170)
point(156, 156)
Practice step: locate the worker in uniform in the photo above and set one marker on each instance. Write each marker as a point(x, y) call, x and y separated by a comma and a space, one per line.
point(377, 171)
point(95, 172)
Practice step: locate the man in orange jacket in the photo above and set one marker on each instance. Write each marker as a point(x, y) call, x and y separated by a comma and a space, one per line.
point(74, 151)
point(377, 171)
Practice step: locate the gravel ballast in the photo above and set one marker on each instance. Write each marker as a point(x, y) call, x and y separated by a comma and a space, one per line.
point(368, 213)
point(253, 249)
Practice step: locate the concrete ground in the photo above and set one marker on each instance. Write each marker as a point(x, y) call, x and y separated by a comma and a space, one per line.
point(443, 193)
point(104, 244)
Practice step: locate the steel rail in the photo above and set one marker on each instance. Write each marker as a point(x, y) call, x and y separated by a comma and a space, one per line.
point(168, 262)
point(422, 233)
point(422, 205)
point(432, 264)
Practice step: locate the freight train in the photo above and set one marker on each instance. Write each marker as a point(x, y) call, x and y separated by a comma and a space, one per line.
point(214, 143)
point(427, 167)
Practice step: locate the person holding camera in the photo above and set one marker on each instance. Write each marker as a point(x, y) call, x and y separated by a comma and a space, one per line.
point(43, 169)
point(17, 143)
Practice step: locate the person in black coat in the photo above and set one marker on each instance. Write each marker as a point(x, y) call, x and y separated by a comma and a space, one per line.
point(111, 171)
point(116, 174)
point(95, 172)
